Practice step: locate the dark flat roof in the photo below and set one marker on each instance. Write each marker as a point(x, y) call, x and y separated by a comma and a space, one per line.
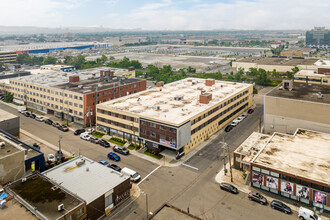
point(278, 61)
point(102, 83)
point(303, 91)
point(39, 192)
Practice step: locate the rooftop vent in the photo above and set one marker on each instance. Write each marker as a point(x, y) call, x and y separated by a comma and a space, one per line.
point(80, 162)
point(319, 95)
point(80, 86)
point(2, 145)
point(60, 207)
point(178, 98)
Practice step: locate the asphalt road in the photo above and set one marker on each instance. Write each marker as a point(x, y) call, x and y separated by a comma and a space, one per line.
point(72, 143)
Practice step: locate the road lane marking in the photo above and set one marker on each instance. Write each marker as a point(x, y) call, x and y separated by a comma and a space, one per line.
point(149, 174)
point(195, 168)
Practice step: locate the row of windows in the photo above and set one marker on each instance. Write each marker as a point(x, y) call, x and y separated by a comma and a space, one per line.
point(44, 90)
point(162, 127)
point(311, 79)
point(113, 114)
point(218, 107)
point(118, 124)
point(154, 135)
point(115, 90)
point(222, 113)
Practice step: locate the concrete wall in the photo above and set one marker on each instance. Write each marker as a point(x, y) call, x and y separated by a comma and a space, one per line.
point(10, 126)
point(286, 115)
point(12, 167)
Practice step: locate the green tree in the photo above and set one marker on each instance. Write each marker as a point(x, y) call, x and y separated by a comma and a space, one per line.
point(104, 58)
point(2, 66)
point(191, 69)
point(262, 78)
point(136, 64)
point(68, 60)
point(79, 61)
point(275, 73)
point(111, 58)
point(50, 60)
point(9, 97)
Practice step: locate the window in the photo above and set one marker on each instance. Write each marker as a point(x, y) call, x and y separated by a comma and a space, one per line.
point(143, 131)
point(108, 200)
point(70, 217)
point(80, 212)
point(163, 127)
point(256, 169)
point(152, 134)
point(173, 130)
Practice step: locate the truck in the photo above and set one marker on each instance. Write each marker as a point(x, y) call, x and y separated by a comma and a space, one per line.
point(21, 109)
point(135, 177)
point(307, 214)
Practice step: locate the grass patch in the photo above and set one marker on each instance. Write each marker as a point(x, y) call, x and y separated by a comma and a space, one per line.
point(98, 134)
point(132, 146)
point(152, 154)
point(116, 142)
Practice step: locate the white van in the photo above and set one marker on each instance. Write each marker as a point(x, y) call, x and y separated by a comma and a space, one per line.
point(131, 173)
point(307, 214)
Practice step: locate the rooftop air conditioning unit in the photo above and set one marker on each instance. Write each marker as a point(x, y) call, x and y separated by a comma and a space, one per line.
point(2, 145)
point(23, 180)
point(80, 162)
point(60, 207)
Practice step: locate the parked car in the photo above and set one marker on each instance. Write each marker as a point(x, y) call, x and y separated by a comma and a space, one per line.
point(63, 128)
point(135, 177)
point(48, 121)
point(94, 140)
point(121, 150)
point(113, 156)
point(228, 128)
point(239, 119)
point(79, 131)
point(234, 123)
point(244, 115)
point(36, 146)
point(39, 118)
point(115, 167)
point(104, 163)
point(257, 197)
point(21, 109)
point(307, 214)
point(228, 187)
point(56, 124)
point(250, 111)
point(27, 114)
point(280, 206)
point(85, 136)
point(179, 154)
point(32, 116)
point(51, 158)
point(104, 143)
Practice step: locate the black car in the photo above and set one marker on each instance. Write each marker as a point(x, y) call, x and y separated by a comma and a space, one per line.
point(94, 140)
point(27, 114)
point(250, 111)
point(228, 187)
point(48, 121)
point(121, 150)
point(32, 116)
point(36, 146)
point(228, 128)
point(104, 143)
point(257, 197)
point(280, 206)
point(115, 167)
point(79, 131)
point(63, 128)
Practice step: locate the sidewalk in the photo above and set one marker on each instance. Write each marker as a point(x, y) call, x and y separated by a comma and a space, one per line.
point(238, 181)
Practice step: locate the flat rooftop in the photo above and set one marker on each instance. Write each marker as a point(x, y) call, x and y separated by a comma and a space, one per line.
point(311, 73)
point(159, 103)
point(278, 61)
point(305, 154)
point(170, 212)
point(94, 179)
point(48, 201)
point(8, 149)
point(54, 78)
point(252, 145)
point(4, 115)
point(323, 63)
point(90, 85)
point(303, 91)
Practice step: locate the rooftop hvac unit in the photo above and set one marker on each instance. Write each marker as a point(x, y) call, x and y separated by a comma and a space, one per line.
point(80, 162)
point(60, 207)
point(23, 180)
point(2, 145)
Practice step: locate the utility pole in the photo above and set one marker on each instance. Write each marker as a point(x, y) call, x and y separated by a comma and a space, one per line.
point(147, 206)
point(260, 124)
point(231, 173)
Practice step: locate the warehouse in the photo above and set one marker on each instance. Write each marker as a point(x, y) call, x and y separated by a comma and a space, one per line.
point(177, 116)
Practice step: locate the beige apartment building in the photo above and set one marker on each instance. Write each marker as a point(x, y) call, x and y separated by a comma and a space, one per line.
point(72, 96)
point(293, 105)
point(177, 116)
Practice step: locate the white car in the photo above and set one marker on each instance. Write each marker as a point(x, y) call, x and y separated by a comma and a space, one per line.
point(243, 115)
point(234, 123)
point(51, 158)
point(85, 136)
point(39, 118)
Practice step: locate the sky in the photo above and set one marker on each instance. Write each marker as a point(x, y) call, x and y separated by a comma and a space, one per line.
point(168, 14)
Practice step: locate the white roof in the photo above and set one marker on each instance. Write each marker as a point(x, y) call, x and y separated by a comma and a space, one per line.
point(159, 103)
point(89, 181)
point(305, 154)
point(311, 73)
point(322, 63)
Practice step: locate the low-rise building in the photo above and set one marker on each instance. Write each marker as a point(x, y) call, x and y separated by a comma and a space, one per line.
point(9, 123)
point(321, 76)
point(293, 166)
point(297, 52)
point(292, 105)
point(281, 65)
point(8, 57)
point(47, 199)
point(72, 96)
point(177, 116)
point(102, 188)
point(17, 158)
point(64, 68)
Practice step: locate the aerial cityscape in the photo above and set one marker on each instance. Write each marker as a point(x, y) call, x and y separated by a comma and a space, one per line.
point(164, 110)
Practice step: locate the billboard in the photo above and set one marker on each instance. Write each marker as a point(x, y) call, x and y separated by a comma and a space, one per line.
point(258, 178)
point(302, 192)
point(272, 182)
point(319, 197)
point(287, 187)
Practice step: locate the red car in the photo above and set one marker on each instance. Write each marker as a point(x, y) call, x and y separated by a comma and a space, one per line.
point(251, 110)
